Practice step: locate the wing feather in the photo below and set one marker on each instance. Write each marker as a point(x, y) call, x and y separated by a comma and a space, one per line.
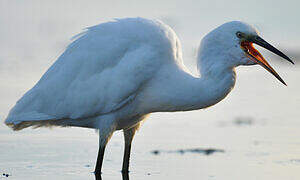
point(99, 72)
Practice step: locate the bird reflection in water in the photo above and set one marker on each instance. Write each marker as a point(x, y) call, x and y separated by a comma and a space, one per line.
point(125, 176)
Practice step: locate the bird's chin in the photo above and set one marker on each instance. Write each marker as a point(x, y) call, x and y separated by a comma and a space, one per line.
point(249, 62)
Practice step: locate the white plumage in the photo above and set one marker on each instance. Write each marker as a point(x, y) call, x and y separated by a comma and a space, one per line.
point(114, 74)
point(101, 71)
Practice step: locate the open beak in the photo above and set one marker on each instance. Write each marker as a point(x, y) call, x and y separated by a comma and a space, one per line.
point(258, 58)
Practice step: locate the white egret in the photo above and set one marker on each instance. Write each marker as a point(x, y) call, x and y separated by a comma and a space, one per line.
point(116, 73)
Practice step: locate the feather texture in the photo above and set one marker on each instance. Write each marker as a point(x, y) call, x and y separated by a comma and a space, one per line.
point(99, 72)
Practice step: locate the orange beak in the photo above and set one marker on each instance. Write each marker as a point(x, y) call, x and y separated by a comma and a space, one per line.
point(256, 57)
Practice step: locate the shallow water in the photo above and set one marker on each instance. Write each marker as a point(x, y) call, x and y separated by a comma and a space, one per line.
point(253, 152)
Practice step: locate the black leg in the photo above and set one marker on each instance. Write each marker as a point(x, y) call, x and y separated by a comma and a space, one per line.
point(126, 158)
point(98, 177)
point(125, 176)
point(104, 137)
point(99, 160)
point(128, 136)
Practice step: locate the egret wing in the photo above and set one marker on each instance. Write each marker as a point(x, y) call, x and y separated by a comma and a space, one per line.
point(102, 70)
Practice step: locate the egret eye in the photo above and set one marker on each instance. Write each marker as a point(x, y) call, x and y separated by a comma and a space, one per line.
point(239, 34)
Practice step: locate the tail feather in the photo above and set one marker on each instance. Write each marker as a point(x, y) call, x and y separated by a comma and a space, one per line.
point(86, 123)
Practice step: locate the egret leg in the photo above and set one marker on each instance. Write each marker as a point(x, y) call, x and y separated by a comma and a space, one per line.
point(128, 136)
point(104, 137)
point(100, 159)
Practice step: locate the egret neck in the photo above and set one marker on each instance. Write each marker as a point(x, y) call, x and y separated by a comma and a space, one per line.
point(217, 79)
point(181, 91)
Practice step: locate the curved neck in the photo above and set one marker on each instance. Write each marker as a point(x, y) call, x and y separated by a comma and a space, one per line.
point(217, 78)
point(216, 84)
point(209, 89)
point(184, 92)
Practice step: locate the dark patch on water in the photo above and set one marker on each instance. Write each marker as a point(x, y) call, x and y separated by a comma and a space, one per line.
point(5, 175)
point(296, 161)
point(207, 151)
point(289, 162)
point(242, 121)
point(156, 152)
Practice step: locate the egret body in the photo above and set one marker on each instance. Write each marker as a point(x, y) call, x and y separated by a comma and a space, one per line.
point(116, 73)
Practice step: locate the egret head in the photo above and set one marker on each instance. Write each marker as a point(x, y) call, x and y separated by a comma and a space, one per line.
point(234, 41)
